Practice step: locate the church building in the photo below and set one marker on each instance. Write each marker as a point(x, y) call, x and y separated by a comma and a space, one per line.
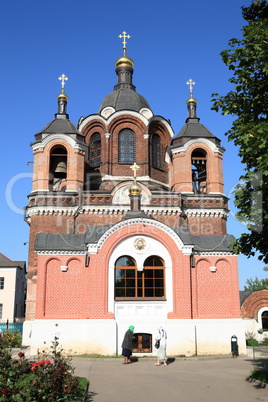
point(128, 227)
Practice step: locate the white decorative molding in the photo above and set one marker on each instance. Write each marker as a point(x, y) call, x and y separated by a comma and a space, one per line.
point(214, 253)
point(205, 213)
point(107, 111)
point(186, 249)
point(57, 137)
point(59, 252)
point(165, 123)
point(121, 196)
point(205, 141)
point(146, 112)
point(213, 269)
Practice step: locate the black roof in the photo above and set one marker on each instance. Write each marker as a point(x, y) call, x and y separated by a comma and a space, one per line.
point(124, 99)
point(72, 242)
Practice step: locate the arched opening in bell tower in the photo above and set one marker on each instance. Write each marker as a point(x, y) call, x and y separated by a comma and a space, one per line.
point(58, 168)
point(199, 170)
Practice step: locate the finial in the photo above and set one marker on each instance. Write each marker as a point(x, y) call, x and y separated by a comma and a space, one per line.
point(135, 189)
point(191, 83)
point(135, 167)
point(124, 36)
point(63, 78)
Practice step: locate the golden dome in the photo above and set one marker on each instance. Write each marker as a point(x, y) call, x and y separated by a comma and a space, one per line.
point(124, 61)
point(63, 96)
point(134, 189)
point(191, 100)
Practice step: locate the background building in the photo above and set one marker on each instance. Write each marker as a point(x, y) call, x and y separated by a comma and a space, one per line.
point(128, 226)
point(12, 289)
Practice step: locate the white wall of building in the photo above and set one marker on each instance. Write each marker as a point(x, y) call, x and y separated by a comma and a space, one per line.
point(104, 337)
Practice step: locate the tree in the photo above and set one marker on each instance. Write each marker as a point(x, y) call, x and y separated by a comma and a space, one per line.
point(248, 104)
point(256, 284)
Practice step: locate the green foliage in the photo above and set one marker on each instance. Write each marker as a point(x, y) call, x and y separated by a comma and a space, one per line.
point(264, 342)
point(49, 379)
point(11, 339)
point(252, 342)
point(248, 104)
point(256, 284)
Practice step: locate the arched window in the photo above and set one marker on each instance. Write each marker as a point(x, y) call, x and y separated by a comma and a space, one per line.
point(126, 147)
point(156, 151)
point(95, 150)
point(58, 168)
point(199, 170)
point(131, 283)
point(264, 319)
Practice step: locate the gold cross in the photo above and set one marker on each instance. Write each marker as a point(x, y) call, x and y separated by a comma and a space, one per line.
point(63, 78)
point(124, 36)
point(135, 167)
point(191, 83)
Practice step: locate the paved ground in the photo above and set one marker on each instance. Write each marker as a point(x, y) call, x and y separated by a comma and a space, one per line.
point(183, 380)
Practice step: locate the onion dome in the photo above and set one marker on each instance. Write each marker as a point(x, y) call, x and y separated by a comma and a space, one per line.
point(124, 96)
point(135, 189)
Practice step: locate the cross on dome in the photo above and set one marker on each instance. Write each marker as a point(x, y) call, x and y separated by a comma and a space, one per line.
point(191, 84)
point(135, 167)
point(63, 78)
point(124, 36)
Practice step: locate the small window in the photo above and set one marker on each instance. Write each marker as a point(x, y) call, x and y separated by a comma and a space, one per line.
point(2, 282)
point(264, 319)
point(156, 151)
point(95, 150)
point(126, 147)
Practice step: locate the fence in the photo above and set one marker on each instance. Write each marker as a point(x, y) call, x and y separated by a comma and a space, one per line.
point(260, 357)
point(9, 325)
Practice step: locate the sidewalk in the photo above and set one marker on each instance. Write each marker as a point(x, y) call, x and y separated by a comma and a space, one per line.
point(183, 380)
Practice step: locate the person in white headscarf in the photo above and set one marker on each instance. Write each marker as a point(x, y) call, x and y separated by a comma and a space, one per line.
point(161, 335)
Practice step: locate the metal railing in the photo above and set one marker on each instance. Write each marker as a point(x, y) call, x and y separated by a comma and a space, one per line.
point(12, 325)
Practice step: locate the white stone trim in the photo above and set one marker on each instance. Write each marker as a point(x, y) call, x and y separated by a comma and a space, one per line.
point(57, 137)
point(60, 252)
point(261, 310)
point(202, 213)
point(186, 249)
point(214, 253)
point(198, 140)
point(140, 308)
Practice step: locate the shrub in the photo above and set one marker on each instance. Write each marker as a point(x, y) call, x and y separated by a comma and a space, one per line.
point(11, 339)
point(49, 379)
point(252, 342)
point(265, 342)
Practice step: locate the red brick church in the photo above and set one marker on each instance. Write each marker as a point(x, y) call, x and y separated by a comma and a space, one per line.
point(128, 227)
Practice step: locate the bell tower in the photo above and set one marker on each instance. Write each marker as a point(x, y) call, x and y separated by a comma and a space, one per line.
point(196, 170)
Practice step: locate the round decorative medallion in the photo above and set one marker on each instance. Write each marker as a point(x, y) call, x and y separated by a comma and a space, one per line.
point(139, 244)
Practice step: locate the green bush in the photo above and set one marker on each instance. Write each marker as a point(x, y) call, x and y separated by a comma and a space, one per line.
point(252, 342)
point(11, 339)
point(264, 342)
point(49, 379)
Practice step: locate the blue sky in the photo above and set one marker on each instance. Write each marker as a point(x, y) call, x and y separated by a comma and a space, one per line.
point(170, 42)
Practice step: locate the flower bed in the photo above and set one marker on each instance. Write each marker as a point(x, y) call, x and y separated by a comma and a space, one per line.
point(50, 379)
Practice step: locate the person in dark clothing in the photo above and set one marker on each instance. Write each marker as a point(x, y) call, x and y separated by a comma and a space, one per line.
point(127, 345)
